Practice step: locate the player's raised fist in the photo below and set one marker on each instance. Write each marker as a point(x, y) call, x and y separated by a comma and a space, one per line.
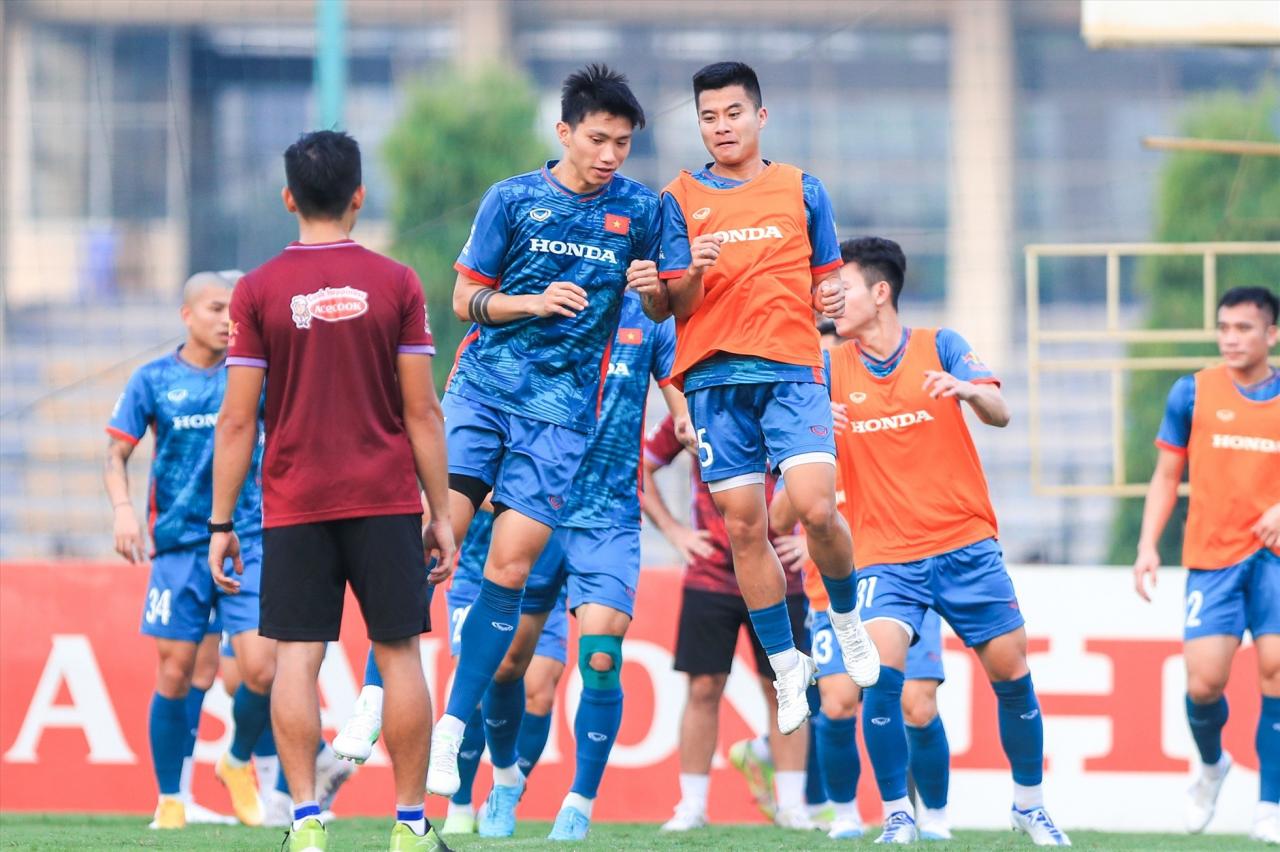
point(561, 298)
point(704, 250)
point(642, 276)
point(828, 299)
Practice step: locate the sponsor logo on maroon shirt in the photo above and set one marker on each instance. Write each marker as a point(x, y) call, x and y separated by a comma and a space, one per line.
point(331, 304)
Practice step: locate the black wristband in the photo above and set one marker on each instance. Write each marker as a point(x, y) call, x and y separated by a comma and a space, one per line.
point(224, 527)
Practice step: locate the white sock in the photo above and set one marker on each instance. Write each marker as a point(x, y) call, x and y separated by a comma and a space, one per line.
point(790, 789)
point(451, 726)
point(371, 698)
point(843, 619)
point(894, 806)
point(455, 809)
point(1213, 770)
point(934, 815)
point(846, 811)
point(184, 783)
point(577, 800)
point(693, 792)
point(235, 762)
point(267, 768)
point(506, 776)
point(1266, 810)
point(1026, 798)
point(760, 748)
point(784, 661)
point(417, 826)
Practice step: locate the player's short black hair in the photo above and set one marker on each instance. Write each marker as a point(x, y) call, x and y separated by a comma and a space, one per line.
point(1260, 296)
point(598, 88)
point(323, 171)
point(879, 259)
point(722, 75)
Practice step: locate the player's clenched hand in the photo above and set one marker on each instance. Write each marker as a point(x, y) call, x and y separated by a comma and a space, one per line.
point(561, 298)
point(1267, 529)
point(938, 383)
point(703, 252)
point(690, 543)
point(642, 276)
point(437, 541)
point(828, 298)
point(1145, 572)
point(840, 416)
point(224, 546)
point(686, 434)
point(792, 550)
point(128, 534)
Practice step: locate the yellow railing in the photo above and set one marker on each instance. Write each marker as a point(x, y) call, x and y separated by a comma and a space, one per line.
point(1111, 332)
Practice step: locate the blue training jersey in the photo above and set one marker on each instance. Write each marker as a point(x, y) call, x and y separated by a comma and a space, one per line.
point(1175, 428)
point(529, 232)
point(180, 403)
point(728, 368)
point(605, 492)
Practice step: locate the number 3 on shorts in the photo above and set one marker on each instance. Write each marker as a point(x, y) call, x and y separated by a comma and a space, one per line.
point(705, 454)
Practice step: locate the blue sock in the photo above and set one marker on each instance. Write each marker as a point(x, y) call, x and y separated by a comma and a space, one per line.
point(302, 810)
point(773, 628)
point(503, 709)
point(486, 636)
point(469, 757)
point(1021, 729)
point(1268, 745)
point(841, 592)
point(413, 816)
point(930, 762)
point(194, 701)
point(168, 728)
point(882, 728)
point(266, 744)
point(594, 730)
point(251, 712)
point(815, 791)
point(372, 677)
point(534, 731)
point(838, 753)
point(1207, 721)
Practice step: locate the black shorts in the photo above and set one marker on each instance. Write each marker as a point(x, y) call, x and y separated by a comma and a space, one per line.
point(708, 632)
point(306, 568)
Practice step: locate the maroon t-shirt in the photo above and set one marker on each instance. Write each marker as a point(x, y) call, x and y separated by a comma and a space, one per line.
point(327, 321)
point(714, 573)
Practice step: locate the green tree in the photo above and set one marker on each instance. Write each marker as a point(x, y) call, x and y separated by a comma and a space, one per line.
point(458, 134)
point(1201, 197)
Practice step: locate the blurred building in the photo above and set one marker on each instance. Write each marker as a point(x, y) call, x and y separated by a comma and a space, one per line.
point(142, 140)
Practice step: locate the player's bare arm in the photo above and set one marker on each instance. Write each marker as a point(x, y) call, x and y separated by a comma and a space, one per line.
point(984, 398)
point(126, 530)
point(234, 439)
point(687, 541)
point(686, 292)
point(642, 277)
point(679, 409)
point(424, 426)
point(485, 305)
point(1267, 529)
point(1162, 495)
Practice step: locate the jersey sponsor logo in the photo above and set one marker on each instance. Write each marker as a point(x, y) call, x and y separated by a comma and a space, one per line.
point(857, 397)
point(584, 251)
point(631, 336)
point(177, 394)
point(1251, 443)
point(539, 214)
point(503, 626)
point(891, 422)
point(596, 736)
point(1226, 415)
point(620, 369)
point(701, 213)
point(330, 304)
point(196, 421)
point(557, 503)
point(750, 235)
point(820, 431)
point(615, 224)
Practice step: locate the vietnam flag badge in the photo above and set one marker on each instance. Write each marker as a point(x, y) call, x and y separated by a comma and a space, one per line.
point(615, 224)
point(631, 336)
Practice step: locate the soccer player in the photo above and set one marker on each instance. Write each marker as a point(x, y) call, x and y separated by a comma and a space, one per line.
point(749, 252)
point(341, 503)
point(712, 612)
point(1224, 423)
point(926, 534)
point(542, 279)
point(177, 397)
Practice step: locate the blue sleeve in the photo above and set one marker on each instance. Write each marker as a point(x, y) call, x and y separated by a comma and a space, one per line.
point(673, 256)
point(651, 246)
point(1175, 428)
point(959, 359)
point(134, 411)
point(826, 368)
point(664, 350)
point(823, 238)
point(486, 248)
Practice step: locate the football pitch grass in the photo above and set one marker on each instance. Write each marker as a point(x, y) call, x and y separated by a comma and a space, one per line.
point(69, 831)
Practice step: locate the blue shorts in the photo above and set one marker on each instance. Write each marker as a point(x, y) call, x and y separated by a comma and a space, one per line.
point(924, 658)
point(601, 566)
point(553, 643)
point(969, 587)
point(744, 429)
point(529, 463)
point(1227, 601)
point(183, 603)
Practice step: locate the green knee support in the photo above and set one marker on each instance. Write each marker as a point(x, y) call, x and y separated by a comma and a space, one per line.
point(611, 645)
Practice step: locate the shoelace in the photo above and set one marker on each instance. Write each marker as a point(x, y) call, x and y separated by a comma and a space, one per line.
point(896, 820)
point(1041, 817)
